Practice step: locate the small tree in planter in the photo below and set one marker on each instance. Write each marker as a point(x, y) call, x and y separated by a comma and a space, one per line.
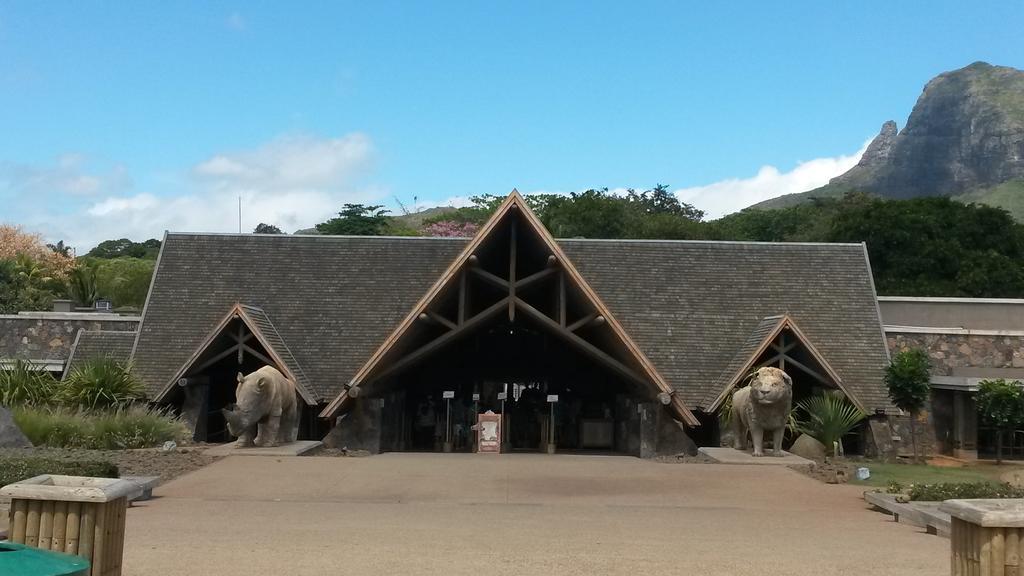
point(1001, 406)
point(907, 379)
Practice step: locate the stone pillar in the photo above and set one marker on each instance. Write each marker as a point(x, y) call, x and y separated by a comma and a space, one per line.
point(195, 408)
point(359, 428)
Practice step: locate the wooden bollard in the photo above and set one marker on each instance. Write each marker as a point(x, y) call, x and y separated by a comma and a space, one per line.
point(985, 536)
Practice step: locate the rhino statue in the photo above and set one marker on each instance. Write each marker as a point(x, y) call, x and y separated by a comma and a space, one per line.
point(763, 406)
point(267, 412)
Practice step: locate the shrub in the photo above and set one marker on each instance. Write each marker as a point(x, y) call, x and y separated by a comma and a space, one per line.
point(907, 378)
point(122, 428)
point(1001, 406)
point(829, 417)
point(23, 384)
point(100, 383)
point(957, 490)
point(18, 468)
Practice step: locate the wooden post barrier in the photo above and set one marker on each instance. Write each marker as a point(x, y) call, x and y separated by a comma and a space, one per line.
point(986, 536)
point(72, 514)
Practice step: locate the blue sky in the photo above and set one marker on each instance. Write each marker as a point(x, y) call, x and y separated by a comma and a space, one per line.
point(131, 118)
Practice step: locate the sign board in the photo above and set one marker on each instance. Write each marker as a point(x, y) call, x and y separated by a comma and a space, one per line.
point(476, 397)
point(502, 395)
point(448, 394)
point(488, 437)
point(552, 397)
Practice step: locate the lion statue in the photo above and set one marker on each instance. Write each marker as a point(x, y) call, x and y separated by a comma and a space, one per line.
point(761, 407)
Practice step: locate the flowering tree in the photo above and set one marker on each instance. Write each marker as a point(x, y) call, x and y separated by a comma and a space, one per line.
point(15, 243)
point(452, 229)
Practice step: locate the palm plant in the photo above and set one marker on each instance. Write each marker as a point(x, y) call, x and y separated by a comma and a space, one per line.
point(100, 383)
point(829, 417)
point(24, 384)
point(82, 284)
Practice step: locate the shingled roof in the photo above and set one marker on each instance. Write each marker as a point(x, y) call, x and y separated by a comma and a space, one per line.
point(689, 305)
point(91, 344)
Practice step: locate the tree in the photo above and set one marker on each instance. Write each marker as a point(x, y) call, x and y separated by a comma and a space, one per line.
point(447, 228)
point(262, 228)
point(15, 243)
point(60, 248)
point(125, 247)
point(1001, 406)
point(357, 220)
point(659, 200)
point(907, 378)
point(125, 281)
point(82, 284)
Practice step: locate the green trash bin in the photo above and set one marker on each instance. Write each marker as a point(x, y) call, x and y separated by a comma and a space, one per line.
point(21, 560)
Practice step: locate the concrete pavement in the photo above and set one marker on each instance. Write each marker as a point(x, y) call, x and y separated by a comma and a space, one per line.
point(514, 514)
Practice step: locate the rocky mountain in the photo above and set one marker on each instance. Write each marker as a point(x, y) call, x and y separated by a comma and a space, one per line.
point(964, 138)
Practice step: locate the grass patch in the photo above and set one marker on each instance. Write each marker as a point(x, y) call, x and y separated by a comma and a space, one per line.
point(18, 468)
point(123, 428)
point(884, 474)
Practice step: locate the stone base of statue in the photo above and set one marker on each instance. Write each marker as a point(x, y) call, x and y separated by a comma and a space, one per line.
point(297, 448)
point(725, 455)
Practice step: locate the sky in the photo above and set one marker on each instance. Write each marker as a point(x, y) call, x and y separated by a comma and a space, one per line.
point(125, 119)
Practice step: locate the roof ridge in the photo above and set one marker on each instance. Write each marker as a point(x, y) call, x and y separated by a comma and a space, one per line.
point(560, 240)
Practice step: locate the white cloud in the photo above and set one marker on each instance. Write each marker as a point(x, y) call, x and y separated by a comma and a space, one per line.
point(68, 174)
point(292, 182)
point(724, 197)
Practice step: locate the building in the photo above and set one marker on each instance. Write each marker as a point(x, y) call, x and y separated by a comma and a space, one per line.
point(968, 340)
point(622, 345)
point(48, 340)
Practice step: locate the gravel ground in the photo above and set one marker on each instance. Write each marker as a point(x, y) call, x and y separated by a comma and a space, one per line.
point(516, 514)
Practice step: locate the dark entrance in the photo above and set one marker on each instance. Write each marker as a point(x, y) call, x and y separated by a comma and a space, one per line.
point(514, 369)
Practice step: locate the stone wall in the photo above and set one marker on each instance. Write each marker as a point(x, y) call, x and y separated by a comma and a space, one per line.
point(949, 351)
point(50, 335)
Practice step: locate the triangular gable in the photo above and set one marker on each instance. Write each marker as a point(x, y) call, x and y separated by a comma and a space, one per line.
point(757, 343)
point(515, 203)
point(258, 323)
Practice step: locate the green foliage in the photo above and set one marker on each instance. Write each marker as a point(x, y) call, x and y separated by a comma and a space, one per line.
point(25, 285)
point(828, 418)
point(357, 220)
point(262, 228)
point(125, 247)
point(936, 245)
point(956, 490)
point(121, 428)
point(24, 384)
point(100, 383)
point(82, 284)
point(907, 378)
point(15, 468)
point(1000, 404)
point(124, 281)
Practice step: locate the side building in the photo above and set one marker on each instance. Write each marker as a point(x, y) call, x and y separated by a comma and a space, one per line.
point(967, 340)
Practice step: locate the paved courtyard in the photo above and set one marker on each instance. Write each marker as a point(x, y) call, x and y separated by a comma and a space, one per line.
point(514, 514)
